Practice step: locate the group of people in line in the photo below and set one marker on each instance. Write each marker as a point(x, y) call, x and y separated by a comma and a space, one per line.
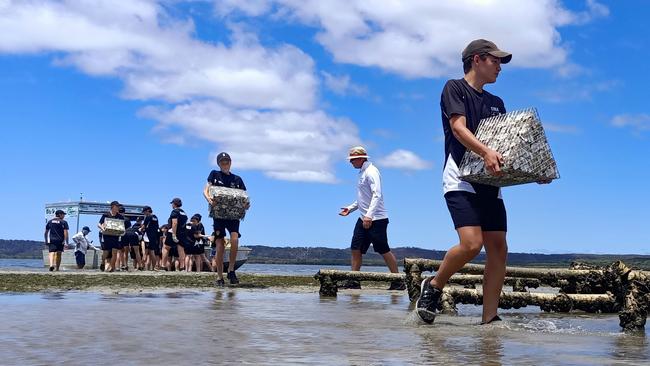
point(477, 210)
point(178, 245)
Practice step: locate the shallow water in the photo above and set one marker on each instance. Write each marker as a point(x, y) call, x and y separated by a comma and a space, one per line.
point(224, 326)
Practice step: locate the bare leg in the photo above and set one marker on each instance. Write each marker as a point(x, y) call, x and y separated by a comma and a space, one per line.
point(58, 260)
point(114, 253)
point(471, 242)
point(221, 247)
point(181, 256)
point(234, 246)
point(391, 261)
point(165, 257)
point(52, 256)
point(496, 250)
point(199, 262)
point(188, 263)
point(356, 260)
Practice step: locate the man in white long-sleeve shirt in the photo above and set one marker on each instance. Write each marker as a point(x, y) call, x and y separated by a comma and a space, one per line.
point(372, 225)
point(81, 245)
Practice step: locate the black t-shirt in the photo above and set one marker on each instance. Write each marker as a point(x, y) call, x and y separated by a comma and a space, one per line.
point(151, 227)
point(109, 238)
point(458, 97)
point(57, 229)
point(221, 179)
point(127, 223)
point(181, 218)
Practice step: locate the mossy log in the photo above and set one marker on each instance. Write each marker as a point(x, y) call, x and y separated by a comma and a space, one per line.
point(592, 303)
point(329, 278)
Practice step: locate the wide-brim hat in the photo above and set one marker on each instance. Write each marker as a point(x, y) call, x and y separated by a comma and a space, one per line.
point(358, 152)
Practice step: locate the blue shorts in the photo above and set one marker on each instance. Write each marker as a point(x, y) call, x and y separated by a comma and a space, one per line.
point(55, 247)
point(471, 209)
point(376, 235)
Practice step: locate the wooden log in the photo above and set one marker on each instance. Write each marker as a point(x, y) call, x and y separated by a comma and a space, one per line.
point(592, 303)
point(361, 276)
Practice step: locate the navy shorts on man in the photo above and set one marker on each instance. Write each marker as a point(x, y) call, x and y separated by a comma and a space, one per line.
point(471, 209)
point(221, 225)
point(55, 247)
point(375, 235)
point(80, 258)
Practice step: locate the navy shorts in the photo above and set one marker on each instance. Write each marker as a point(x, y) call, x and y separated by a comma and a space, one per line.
point(221, 225)
point(80, 258)
point(55, 247)
point(376, 235)
point(470, 209)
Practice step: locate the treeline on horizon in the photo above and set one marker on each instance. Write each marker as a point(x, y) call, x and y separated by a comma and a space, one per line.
point(29, 249)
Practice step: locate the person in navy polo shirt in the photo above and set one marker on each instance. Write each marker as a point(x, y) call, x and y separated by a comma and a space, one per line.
point(176, 236)
point(56, 233)
point(151, 230)
point(112, 244)
point(225, 178)
point(477, 210)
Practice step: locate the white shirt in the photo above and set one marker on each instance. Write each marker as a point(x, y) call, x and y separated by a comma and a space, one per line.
point(81, 242)
point(370, 200)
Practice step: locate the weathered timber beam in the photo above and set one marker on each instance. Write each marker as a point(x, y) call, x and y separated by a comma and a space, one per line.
point(338, 275)
point(593, 303)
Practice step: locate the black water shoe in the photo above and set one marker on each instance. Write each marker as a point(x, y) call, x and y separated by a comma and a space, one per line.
point(51, 269)
point(398, 285)
point(428, 301)
point(220, 283)
point(233, 278)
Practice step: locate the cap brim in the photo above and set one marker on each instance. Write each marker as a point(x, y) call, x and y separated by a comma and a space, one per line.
point(504, 56)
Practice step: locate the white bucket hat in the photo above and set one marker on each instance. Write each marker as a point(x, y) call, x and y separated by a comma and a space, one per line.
point(357, 152)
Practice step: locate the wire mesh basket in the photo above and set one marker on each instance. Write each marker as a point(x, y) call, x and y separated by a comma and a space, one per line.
point(519, 137)
point(230, 203)
point(113, 227)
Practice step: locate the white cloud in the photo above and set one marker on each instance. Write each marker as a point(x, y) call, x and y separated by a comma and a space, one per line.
point(342, 85)
point(257, 102)
point(637, 122)
point(425, 38)
point(404, 159)
point(289, 145)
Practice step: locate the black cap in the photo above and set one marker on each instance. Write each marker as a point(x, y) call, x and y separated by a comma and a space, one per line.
point(86, 228)
point(196, 216)
point(177, 201)
point(59, 212)
point(223, 156)
point(482, 46)
point(146, 208)
point(122, 209)
point(115, 203)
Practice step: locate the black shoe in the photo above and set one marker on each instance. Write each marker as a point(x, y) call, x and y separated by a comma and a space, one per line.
point(101, 267)
point(51, 269)
point(351, 284)
point(398, 285)
point(495, 319)
point(233, 278)
point(220, 283)
point(428, 301)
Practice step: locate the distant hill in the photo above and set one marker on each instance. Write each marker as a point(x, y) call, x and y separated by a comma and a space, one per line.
point(324, 256)
point(23, 249)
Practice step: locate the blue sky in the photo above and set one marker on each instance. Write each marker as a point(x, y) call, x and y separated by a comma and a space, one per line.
point(131, 102)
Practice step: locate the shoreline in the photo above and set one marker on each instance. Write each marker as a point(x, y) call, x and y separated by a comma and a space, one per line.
point(95, 281)
point(32, 281)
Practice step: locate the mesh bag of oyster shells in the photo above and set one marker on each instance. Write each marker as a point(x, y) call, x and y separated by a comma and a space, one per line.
point(113, 227)
point(519, 137)
point(230, 203)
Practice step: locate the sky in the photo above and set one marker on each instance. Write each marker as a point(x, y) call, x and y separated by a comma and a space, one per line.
point(131, 101)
